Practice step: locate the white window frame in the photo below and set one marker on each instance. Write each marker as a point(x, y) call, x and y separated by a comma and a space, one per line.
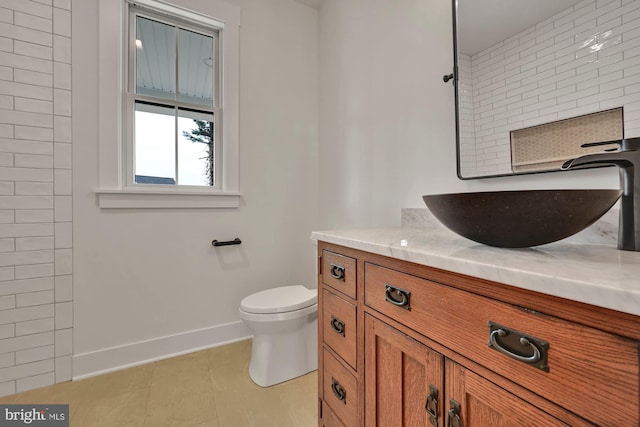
point(205, 28)
point(116, 188)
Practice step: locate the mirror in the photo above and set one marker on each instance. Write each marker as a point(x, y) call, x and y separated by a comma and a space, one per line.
point(537, 79)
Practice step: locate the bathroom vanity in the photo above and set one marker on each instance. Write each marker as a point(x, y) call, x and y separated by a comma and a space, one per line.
point(422, 327)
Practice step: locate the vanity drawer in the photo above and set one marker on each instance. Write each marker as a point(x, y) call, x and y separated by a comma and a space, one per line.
point(329, 418)
point(340, 390)
point(607, 365)
point(339, 272)
point(339, 326)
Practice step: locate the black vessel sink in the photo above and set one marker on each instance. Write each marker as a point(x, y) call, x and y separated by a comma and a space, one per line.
point(520, 219)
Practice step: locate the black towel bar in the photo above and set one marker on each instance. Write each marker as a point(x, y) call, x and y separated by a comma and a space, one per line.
point(235, 241)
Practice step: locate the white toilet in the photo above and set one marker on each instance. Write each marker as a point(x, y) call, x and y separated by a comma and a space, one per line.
point(284, 322)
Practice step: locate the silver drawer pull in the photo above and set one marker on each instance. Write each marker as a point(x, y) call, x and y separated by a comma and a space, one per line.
point(337, 325)
point(523, 344)
point(527, 359)
point(397, 296)
point(338, 391)
point(337, 272)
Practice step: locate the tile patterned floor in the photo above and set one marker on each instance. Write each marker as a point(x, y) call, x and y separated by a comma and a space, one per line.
point(206, 388)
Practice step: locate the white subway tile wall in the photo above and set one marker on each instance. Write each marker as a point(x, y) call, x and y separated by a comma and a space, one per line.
point(467, 132)
point(36, 295)
point(582, 60)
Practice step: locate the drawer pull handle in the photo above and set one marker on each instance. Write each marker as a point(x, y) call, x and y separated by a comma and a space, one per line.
point(538, 348)
point(337, 272)
point(337, 325)
point(338, 391)
point(397, 296)
point(431, 405)
point(527, 359)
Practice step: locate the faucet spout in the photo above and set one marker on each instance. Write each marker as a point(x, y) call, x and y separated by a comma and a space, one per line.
point(618, 158)
point(627, 159)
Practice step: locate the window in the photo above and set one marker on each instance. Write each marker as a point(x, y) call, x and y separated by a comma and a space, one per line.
point(173, 146)
point(172, 101)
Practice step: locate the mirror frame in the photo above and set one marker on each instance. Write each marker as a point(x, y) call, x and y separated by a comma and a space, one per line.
point(454, 14)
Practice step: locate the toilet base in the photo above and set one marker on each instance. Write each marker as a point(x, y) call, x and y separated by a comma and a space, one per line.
point(281, 356)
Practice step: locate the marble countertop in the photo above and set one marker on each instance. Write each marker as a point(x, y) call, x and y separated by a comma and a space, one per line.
point(596, 274)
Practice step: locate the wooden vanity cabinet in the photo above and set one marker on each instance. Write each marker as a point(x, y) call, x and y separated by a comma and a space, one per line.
point(403, 378)
point(340, 361)
point(477, 402)
point(421, 351)
point(405, 386)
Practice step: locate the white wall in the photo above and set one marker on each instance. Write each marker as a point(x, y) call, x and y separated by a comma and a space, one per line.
point(386, 115)
point(344, 120)
point(35, 194)
point(148, 283)
point(386, 118)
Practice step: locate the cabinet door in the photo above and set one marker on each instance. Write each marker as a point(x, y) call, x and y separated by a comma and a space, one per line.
point(402, 379)
point(480, 403)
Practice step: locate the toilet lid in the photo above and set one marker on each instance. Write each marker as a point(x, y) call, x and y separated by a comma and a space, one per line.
point(279, 300)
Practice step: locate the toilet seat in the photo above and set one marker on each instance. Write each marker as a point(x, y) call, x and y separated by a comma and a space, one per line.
point(279, 300)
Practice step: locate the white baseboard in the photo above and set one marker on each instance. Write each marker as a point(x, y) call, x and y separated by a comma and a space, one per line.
point(126, 356)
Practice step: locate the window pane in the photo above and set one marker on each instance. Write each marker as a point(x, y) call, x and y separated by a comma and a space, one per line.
point(155, 58)
point(196, 149)
point(197, 65)
point(155, 159)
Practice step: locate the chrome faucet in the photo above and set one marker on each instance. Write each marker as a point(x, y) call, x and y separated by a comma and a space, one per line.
point(627, 158)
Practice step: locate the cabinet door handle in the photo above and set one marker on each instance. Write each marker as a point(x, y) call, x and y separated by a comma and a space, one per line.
point(338, 391)
point(397, 296)
point(538, 348)
point(431, 405)
point(337, 272)
point(337, 325)
point(454, 414)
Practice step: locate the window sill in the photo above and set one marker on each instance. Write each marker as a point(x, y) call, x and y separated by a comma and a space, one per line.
point(165, 199)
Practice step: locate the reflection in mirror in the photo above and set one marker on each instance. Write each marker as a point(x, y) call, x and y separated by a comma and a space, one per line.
point(531, 76)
